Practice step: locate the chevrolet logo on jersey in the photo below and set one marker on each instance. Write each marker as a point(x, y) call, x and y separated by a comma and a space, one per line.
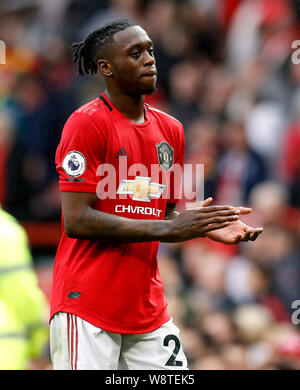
point(141, 188)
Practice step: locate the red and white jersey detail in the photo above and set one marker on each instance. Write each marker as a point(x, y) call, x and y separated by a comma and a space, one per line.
point(116, 286)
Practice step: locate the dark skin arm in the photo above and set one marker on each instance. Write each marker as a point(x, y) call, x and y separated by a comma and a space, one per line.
point(82, 221)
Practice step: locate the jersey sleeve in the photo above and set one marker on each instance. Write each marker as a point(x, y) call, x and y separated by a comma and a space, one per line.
point(80, 152)
point(177, 176)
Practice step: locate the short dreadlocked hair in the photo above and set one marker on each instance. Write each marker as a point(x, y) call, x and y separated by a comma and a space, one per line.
point(86, 53)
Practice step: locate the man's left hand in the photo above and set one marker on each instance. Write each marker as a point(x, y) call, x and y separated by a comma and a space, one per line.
point(235, 232)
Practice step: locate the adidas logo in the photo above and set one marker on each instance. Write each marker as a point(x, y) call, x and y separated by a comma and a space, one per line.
point(121, 153)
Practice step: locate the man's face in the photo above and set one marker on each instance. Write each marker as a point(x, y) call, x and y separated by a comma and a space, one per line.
point(133, 61)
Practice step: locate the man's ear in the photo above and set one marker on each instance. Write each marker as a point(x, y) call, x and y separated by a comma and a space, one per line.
point(105, 68)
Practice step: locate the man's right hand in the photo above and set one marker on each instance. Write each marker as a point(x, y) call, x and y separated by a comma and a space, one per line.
point(196, 222)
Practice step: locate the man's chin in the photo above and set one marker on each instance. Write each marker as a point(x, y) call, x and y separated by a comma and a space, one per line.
point(149, 91)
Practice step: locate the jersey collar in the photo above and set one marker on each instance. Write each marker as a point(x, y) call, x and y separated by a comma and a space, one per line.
point(111, 108)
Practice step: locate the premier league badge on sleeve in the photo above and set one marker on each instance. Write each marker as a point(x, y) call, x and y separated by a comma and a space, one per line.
point(74, 164)
point(165, 155)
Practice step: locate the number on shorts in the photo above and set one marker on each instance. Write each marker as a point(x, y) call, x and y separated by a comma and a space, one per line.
point(172, 360)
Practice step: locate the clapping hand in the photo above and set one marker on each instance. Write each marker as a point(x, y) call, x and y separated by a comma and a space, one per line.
point(235, 231)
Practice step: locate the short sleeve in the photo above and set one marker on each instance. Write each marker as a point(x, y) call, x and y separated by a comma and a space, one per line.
point(80, 152)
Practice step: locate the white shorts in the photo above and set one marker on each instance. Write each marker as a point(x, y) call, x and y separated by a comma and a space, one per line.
point(76, 344)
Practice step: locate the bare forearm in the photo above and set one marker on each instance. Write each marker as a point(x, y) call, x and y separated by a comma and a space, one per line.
point(83, 221)
point(95, 224)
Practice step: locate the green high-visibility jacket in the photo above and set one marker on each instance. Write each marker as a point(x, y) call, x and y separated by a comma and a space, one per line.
point(23, 305)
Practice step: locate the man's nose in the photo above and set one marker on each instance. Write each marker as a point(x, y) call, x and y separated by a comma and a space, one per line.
point(148, 59)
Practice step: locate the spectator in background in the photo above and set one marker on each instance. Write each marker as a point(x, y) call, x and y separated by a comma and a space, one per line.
point(289, 161)
point(271, 202)
point(239, 169)
point(278, 251)
point(7, 130)
point(23, 306)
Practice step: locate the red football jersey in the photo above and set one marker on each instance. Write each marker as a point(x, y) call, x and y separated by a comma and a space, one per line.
point(115, 285)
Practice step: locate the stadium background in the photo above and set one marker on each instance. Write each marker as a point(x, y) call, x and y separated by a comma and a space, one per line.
point(226, 71)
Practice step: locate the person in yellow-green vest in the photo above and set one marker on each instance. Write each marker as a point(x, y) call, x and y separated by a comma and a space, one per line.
point(24, 333)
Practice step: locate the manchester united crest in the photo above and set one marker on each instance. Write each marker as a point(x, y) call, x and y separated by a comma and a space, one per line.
point(165, 155)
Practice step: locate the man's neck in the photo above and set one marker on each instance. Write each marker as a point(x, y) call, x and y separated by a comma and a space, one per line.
point(130, 106)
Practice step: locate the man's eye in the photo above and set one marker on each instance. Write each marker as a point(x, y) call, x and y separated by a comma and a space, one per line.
point(135, 54)
point(151, 52)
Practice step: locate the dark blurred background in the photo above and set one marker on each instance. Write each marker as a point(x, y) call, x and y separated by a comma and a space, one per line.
point(226, 72)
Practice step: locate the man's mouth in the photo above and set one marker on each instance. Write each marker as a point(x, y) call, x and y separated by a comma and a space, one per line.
point(149, 74)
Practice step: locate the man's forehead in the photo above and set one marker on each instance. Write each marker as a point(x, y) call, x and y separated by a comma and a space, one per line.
point(131, 36)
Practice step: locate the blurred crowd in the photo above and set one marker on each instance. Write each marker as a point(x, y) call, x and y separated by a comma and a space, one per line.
point(227, 72)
